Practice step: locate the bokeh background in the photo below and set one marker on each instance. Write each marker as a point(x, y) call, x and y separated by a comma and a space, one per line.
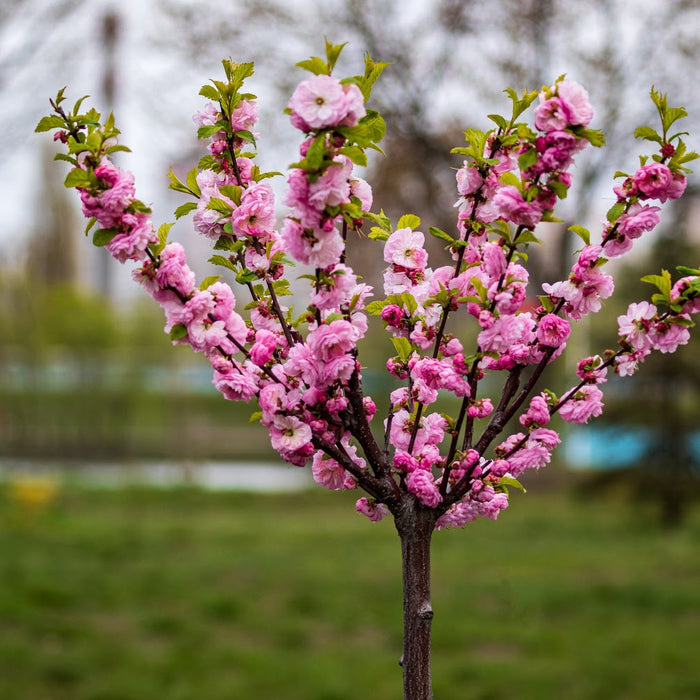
point(151, 543)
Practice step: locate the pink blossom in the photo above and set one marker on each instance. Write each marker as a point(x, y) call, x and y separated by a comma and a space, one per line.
point(494, 260)
point(439, 374)
point(134, 235)
point(421, 483)
point(313, 247)
point(373, 510)
point(507, 331)
point(207, 116)
point(575, 102)
point(458, 514)
point(264, 347)
point(556, 150)
point(236, 384)
point(654, 180)
point(405, 248)
point(288, 434)
point(334, 287)
point(583, 292)
point(244, 115)
point(256, 214)
point(363, 191)
point(321, 101)
point(328, 472)
point(469, 179)
point(666, 336)
point(635, 324)
point(332, 339)
point(333, 187)
point(552, 331)
point(590, 370)
point(173, 270)
point(681, 293)
point(618, 245)
point(587, 259)
point(511, 206)
point(638, 219)
point(480, 408)
point(627, 363)
point(224, 300)
point(581, 405)
point(537, 413)
point(550, 114)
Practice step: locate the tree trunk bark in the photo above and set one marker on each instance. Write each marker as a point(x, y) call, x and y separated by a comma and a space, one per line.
point(415, 527)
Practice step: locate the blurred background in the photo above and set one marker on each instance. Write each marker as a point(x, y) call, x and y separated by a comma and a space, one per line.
point(115, 587)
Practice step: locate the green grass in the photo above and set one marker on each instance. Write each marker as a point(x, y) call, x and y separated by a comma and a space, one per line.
point(139, 594)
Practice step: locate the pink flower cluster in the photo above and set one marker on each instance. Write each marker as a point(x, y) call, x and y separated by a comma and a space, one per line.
point(304, 369)
point(643, 329)
point(322, 102)
point(113, 204)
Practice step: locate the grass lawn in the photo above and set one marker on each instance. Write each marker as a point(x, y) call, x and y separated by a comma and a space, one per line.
point(185, 594)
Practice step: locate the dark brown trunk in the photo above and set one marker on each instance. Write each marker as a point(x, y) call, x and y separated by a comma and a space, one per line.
point(415, 526)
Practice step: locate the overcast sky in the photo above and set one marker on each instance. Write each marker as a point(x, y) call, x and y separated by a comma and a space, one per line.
point(53, 43)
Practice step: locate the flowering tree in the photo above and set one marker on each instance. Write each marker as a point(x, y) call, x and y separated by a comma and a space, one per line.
point(426, 469)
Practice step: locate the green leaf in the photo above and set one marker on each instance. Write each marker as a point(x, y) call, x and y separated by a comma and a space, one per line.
point(333, 52)
point(79, 178)
point(372, 72)
point(67, 158)
point(476, 140)
point(255, 417)
point(560, 188)
point(103, 236)
point(216, 204)
point(91, 222)
point(509, 178)
point(662, 282)
point(355, 154)
point(208, 130)
point(648, 134)
point(192, 182)
point(209, 92)
point(221, 261)
point(233, 192)
point(687, 271)
point(378, 234)
point(403, 348)
point(583, 233)
point(246, 276)
point(408, 221)
point(163, 231)
point(185, 209)
point(500, 122)
point(375, 308)
point(178, 331)
point(615, 212)
point(225, 243)
point(314, 65)
point(442, 235)
point(176, 184)
point(380, 219)
point(547, 303)
point(208, 281)
point(527, 236)
point(246, 135)
point(48, 123)
point(527, 159)
point(506, 481)
point(317, 152)
point(594, 136)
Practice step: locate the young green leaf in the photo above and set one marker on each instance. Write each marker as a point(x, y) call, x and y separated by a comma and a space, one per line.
point(408, 221)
